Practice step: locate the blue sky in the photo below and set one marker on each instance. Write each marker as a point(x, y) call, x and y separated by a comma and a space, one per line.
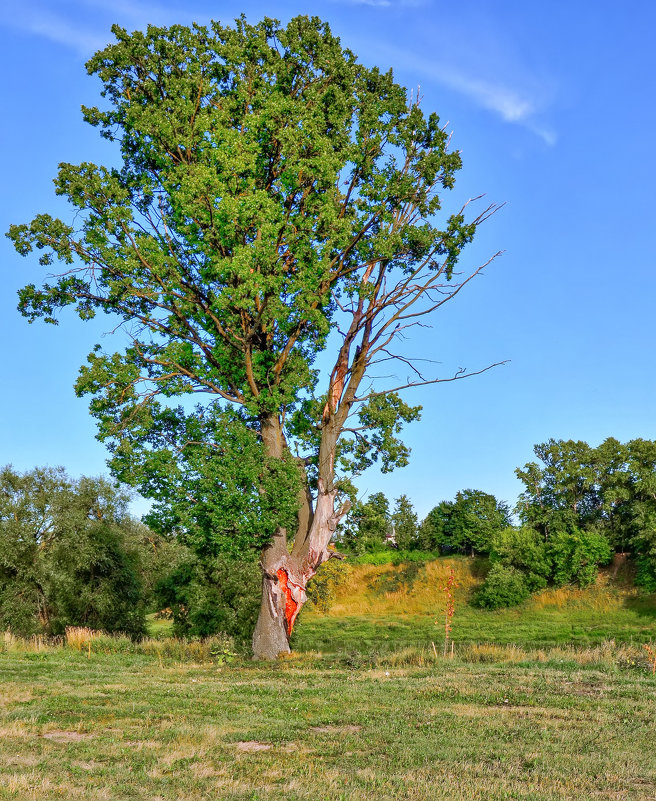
point(552, 105)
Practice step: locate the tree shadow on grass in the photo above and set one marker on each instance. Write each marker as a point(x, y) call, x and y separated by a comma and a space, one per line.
point(404, 576)
point(643, 605)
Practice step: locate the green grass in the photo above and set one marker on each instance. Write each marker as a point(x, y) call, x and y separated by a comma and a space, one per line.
point(382, 608)
point(159, 626)
point(368, 633)
point(127, 726)
point(553, 700)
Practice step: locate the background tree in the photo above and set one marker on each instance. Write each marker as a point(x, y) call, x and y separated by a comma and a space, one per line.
point(368, 524)
point(466, 525)
point(68, 555)
point(561, 492)
point(579, 504)
point(272, 191)
point(434, 528)
point(636, 509)
point(404, 523)
point(608, 489)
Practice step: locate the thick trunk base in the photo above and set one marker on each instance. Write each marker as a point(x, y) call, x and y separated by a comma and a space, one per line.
point(283, 597)
point(285, 576)
point(270, 638)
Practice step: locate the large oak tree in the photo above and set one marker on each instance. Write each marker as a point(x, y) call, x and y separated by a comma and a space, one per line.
point(271, 232)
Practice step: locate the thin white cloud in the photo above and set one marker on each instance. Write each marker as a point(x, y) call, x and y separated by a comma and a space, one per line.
point(509, 103)
point(514, 105)
point(521, 101)
point(84, 25)
point(55, 28)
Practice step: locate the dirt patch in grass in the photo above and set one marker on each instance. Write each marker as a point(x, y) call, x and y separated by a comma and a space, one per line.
point(333, 729)
point(60, 736)
point(139, 744)
point(93, 765)
point(253, 746)
point(24, 760)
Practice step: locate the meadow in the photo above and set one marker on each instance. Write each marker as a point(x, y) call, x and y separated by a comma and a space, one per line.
point(381, 608)
point(377, 712)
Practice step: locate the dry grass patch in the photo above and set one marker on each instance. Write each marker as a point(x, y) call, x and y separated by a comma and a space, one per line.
point(603, 596)
point(253, 746)
point(58, 736)
point(348, 728)
point(364, 589)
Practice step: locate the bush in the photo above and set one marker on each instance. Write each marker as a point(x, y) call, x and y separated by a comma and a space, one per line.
point(504, 586)
point(212, 596)
point(576, 556)
point(524, 550)
point(321, 589)
point(645, 574)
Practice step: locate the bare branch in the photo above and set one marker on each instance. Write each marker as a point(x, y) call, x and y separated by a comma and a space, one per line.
point(460, 374)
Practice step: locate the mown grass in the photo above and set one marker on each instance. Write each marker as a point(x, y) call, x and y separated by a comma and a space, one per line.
point(492, 724)
point(554, 700)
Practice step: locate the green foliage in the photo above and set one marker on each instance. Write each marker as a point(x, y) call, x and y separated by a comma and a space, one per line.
point(576, 556)
point(367, 525)
point(645, 574)
point(606, 492)
point(271, 190)
point(322, 588)
point(68, 555)
point(466, 525)
point(562, 492)
point(158, 556)
point(213, 595)
point(504, 586)
point(213, 486)
point(383, 415)
point(524, 550)
point(404, 522)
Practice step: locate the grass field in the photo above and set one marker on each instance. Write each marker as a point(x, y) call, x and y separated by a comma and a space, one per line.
point(556, 700)
point(385, 607)
point(124, 726)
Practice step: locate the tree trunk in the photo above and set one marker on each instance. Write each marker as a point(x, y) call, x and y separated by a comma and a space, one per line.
point(270, 638)
point(283, 597)
point(285, 576)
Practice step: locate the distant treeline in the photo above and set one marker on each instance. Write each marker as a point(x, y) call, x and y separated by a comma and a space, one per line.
point(70, 554)
point(579, 506)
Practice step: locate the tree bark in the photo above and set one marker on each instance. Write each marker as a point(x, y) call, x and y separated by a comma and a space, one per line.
point(271, 635)
point(285, 573)
point(285, 576)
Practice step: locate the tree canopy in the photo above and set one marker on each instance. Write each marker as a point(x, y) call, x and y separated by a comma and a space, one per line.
point(276, 200)
point(609, 489)
point(466, 524)
point(69, 555)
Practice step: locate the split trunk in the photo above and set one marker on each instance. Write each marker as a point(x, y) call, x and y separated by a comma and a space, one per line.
point(285, 571)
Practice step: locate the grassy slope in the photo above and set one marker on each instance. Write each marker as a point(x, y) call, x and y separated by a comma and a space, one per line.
point(128, 727)
point(387, 607)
